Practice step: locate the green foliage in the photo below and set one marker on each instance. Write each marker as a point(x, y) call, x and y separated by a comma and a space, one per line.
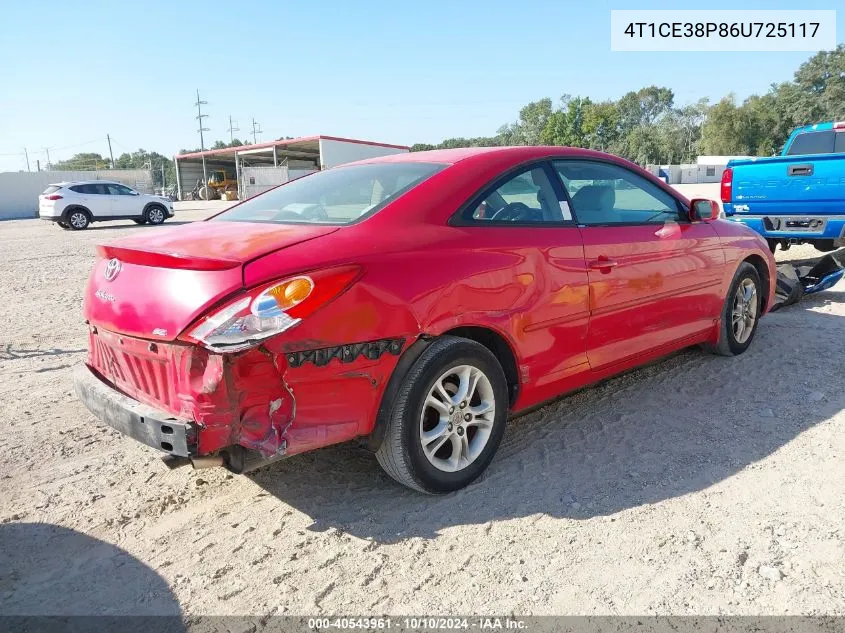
point(82, 162)
point(645, 126)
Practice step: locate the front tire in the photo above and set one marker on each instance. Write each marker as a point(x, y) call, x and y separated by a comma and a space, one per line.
point(447, 419)
point(78, 219)
point(741, 312)
point(155, 215)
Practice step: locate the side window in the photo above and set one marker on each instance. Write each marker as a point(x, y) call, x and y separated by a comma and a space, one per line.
point(527, 197)
point(118, 190)
point(100, 190)
point(79, 188)
point(812, 143)
point(602, 193)
point(839, 147)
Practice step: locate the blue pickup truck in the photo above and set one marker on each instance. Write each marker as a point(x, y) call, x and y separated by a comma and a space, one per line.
point(797, 197)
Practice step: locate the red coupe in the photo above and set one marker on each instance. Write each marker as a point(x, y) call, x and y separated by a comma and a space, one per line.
point(413, 302)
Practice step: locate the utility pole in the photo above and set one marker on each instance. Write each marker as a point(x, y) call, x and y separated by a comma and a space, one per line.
point(108, 138)
point(255, 131)
point(232, 130)
point(200, 117)
point(47, 150)
point(25, 153)
point(38, 164)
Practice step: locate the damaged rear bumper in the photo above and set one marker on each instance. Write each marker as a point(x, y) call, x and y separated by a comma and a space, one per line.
point(143, 423)
point(249, 408)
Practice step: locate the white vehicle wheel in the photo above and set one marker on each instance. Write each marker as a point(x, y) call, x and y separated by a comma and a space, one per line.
point(155, 215)
point(78, 219)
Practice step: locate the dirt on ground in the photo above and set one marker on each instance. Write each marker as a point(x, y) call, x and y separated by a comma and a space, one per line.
point(696, 485)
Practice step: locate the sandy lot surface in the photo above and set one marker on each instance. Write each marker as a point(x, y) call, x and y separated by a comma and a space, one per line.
point(697, 485)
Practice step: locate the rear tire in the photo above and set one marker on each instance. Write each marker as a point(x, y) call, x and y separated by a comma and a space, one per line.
point(741, 312)
point(155, 214)
point(447, 418)
point(78, 219)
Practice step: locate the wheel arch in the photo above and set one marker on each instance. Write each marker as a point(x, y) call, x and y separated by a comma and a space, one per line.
point(489, 338)
point(763, 270)
point(76, 207)
point(152, 204)
point(499, 347)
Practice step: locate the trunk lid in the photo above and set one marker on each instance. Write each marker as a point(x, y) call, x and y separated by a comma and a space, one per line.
point(155, 285)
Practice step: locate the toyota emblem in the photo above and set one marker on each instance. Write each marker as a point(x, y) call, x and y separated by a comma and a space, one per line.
point(112, 269)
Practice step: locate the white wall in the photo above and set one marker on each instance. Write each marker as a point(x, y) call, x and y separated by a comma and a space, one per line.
point(19, 191)
point(718, 160)
point(334, 153)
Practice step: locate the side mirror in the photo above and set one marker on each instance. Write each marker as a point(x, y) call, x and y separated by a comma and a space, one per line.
point(703, 210)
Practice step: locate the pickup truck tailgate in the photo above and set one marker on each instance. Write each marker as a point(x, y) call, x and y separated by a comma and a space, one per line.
point(786, 196)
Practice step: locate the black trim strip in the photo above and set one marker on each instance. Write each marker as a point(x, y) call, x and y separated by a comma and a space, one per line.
point(372, 350)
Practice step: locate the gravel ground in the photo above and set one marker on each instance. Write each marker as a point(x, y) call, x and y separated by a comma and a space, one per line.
point(697, 485)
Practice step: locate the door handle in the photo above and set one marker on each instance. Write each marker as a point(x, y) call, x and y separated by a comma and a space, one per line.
point(800, 170)
point(603, 264)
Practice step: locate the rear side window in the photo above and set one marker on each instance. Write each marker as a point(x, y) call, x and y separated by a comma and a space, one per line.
point(812, 143)
point(80, 188)
point(51, 189)
point(526, 198)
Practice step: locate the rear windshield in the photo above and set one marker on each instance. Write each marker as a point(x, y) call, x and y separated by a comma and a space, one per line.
point(335, 196)
point(51, 189)
point(812, 143)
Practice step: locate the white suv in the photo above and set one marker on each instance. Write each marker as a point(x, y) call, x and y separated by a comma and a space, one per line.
point(74, 205)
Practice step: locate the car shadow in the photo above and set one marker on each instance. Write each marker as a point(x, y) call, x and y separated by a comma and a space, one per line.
point(668, 429)
point(54, 578)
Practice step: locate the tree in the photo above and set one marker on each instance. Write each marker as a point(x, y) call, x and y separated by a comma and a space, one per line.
point(645, 126)
point(82, 162)
point(821, 83)
point(601, 123)
point(566, 125)
point(528, 128)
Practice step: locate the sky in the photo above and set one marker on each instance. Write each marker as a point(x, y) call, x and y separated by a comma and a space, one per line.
point(395, 71)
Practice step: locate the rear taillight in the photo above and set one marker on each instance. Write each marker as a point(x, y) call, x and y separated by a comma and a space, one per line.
point(727, 184)
point(271, 309)
point(839, 125)
point(54, 196)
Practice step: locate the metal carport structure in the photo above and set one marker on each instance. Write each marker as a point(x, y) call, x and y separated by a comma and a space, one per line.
point(282, 160)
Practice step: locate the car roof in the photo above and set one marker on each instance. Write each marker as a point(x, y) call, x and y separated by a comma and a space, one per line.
point(517, 153)
point(84, 182)
point(814, 127)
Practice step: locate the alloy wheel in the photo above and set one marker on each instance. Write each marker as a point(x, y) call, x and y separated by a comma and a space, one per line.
point(457, 418)
point(744, 312)
point(155, 216)
point(78, 220)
